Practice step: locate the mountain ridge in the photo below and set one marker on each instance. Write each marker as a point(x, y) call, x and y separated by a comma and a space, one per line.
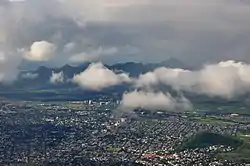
point(42, 74)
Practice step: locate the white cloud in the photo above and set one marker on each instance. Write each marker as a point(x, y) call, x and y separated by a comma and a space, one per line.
point(226, 79)
point(97, 77)
point(153, 101)
point(29, 75)
point(40, 51)
point(57, 78)
point(93, 55)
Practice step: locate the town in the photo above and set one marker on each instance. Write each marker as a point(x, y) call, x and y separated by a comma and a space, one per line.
point(91, 133)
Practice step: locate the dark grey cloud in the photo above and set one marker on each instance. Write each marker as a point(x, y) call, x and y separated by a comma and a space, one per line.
point(195, 31)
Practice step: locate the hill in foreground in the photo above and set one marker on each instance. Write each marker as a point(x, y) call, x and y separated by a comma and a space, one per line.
point(206, 139)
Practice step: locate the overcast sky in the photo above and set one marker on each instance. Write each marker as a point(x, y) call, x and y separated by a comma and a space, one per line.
point(57, 32)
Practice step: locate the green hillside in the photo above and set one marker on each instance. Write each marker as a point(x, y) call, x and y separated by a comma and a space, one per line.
point(206, 139)
point(242, 153)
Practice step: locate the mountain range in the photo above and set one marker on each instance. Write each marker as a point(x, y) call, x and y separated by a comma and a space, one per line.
point(40, 88)
point(43, 74)
point(36, 85)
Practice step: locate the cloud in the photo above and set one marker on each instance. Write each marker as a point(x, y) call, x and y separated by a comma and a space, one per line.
point(226, 79)
point(93, 55)
point(161, 29)
point(57, 78)
point(9, 63)
point(97, 77)
point(153, 101)
point(40, 51)
point(29, 75)
point(183, 29)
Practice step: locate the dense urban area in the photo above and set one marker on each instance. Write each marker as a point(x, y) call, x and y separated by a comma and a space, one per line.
point(92, 132)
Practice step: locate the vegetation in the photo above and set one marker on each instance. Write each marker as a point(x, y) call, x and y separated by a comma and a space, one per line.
point(206, 139)
point(242, 153)
point(213, 120)
point(112, 149)
point(241, 144)
point(223, 108)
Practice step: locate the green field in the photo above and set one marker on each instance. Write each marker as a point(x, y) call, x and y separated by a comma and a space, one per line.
point(112, 149)
point(242, 153)
point(213, 120)
point(228, 108)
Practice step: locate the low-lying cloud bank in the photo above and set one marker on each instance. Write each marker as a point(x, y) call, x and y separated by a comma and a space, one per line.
point(226, 79)
point(153, 101)
point(97, 77)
